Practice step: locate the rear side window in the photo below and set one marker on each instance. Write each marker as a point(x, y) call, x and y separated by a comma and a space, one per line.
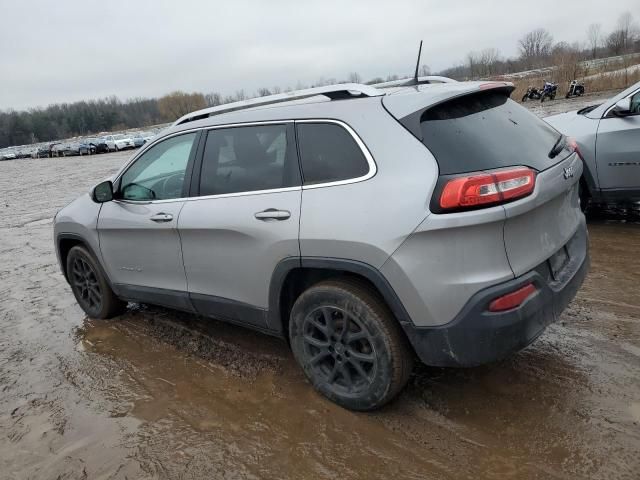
point(245, 159)
point(328, 153)
point(486, 130)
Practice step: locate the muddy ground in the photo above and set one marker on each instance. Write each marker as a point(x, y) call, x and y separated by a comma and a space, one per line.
point(160, 394)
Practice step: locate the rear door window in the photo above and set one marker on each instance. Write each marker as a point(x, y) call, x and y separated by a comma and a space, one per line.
point(328, 153)
point(247, 159)
point(486, 130)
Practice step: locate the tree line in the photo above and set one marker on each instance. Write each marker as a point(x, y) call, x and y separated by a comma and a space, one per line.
point(536, 49)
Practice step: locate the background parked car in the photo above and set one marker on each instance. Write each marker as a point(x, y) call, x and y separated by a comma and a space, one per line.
point(97, 144)
point(608, 136)
point(138, 140)
point(7, 155)
point(119, 142)
point(43, 151)
point(57, 149)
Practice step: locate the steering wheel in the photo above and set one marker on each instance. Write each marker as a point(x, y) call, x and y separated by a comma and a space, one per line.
point(172, 186)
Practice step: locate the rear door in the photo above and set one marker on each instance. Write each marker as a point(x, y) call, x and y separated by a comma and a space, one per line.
point(139, 240)
point(244, 222)
point(618, 149)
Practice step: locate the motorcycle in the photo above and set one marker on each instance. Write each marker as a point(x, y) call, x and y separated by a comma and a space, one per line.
point(532, 93)
point(576, 89)
point(549, 90)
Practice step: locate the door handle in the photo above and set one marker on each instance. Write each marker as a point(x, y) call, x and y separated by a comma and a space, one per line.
point(273, 214)
point(162, 217)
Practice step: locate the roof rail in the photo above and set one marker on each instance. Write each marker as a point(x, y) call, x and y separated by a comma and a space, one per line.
point(334, 92)
point(408, 82)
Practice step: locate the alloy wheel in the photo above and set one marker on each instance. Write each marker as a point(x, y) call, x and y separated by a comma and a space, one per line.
point(339, 349)
point(85, 282)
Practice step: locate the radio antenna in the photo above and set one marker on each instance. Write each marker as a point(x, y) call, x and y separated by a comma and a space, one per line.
point(415, 76)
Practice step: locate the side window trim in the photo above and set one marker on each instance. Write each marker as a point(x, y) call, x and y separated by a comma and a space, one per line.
point(373, 168)
point(188, 172)
point(291, 150)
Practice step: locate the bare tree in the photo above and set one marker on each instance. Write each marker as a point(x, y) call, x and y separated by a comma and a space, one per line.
point(535, 46)
point(615, 42)
point(354, 77)
point(424, 71)
point(473, 63)
point(213, 99)
point(627, 28)
point(263, 92)
point(488, 59)
point(594, 36)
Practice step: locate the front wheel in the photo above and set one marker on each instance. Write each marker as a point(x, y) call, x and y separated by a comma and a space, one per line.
point(349, 345)
point(542, 98)
point(90, 286)
point(524, 98)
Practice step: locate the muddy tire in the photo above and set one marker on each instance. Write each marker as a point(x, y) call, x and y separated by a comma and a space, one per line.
point(349, 345)
point(90, 286)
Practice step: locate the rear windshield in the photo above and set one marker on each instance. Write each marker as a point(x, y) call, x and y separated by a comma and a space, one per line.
point(486, 130)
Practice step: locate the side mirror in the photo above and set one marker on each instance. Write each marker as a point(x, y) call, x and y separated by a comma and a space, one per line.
point(103, 192)
point(622, 107)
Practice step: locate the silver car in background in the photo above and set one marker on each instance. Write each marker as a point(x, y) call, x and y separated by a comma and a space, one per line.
point(367, 226)
point(608, 139)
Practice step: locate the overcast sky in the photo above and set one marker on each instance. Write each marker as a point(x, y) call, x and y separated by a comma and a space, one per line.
point(68, 50)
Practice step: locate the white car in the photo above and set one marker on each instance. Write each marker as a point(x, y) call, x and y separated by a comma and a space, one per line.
point(119, 142)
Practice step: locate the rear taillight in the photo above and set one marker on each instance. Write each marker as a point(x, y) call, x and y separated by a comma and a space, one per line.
point(487, 189)
point(573, 146)
point(513, 299)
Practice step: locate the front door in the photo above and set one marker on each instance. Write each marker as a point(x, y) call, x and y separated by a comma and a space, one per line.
point(618, 149)
point(139, 240)
point(244, 222)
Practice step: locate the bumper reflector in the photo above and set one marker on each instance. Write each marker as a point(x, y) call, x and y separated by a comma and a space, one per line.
point(513, 299)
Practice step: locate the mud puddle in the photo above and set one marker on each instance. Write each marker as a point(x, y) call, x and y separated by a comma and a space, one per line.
point(160, 394)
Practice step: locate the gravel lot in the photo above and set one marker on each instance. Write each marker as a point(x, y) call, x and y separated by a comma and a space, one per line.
point(160, 394)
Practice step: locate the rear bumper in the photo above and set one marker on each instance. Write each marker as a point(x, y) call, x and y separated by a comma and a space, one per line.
point(477, 336)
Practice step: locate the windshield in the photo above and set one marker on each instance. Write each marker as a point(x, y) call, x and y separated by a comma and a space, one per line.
point(118, 137)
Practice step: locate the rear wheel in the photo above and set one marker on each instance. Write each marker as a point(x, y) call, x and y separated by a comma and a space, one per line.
point(90, 286)
point(349, 345)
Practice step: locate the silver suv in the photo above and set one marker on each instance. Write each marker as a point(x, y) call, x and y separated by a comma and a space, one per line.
point(367, 226)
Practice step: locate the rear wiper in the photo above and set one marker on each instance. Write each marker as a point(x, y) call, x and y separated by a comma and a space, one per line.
point(557, 147)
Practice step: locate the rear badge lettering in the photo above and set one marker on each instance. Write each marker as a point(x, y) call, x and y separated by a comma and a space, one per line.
point(568, 172)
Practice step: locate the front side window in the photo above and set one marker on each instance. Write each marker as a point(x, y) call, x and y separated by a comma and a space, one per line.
point(328, 153)
point(635, 104)
point(246, 159)
point(160, 172)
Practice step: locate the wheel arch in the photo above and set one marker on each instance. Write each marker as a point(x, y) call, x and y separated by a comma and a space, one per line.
point(294, 275)
point(65, 242)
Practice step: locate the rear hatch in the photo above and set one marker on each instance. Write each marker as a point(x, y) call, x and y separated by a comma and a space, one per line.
point(479, 132)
